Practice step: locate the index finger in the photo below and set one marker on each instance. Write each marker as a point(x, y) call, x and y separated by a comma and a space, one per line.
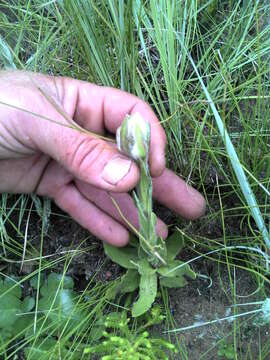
point(99, 107)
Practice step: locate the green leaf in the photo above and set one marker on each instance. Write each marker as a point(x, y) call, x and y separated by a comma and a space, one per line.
point(55, 281)
point(96, 333)
point(11, 287)
point(10, 303)
point(174, 244)
point(11, 309)
point(115, 318)
point(34, 280)
point(45, 349)
point(22, 325)
point(133, 241)
point(161, 248)
point(130, 281)
point(176, 282)
point(60, 306)
point(176, 268)
point(122, 256)
point(148, 289)
point(113, 290)
point(173, 274)
point(5, 54)
point(155, 316)
point(10, 306)
point(28, 304)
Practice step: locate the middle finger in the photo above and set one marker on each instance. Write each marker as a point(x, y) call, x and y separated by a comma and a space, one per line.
point(103, 200)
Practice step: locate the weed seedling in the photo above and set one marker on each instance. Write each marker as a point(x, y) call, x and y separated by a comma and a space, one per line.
point(149, 258)
point(121, 342)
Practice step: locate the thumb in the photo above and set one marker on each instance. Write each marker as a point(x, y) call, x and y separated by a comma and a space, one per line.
point(87, 157)
point(46, 126)
point(43, 124)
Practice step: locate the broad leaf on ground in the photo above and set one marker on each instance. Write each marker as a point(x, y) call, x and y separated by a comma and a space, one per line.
point(59, 300)
point(10, 303)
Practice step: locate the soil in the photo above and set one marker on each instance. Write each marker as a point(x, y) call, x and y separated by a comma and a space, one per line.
point(200, 302)
point(207, 298)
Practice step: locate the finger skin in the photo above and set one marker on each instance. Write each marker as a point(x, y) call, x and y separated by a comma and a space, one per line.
point(37, 145)
point(103, 200)
point(173, 192)
point(44, 129)
point(90, 217)
point(94, 107)
point(21, 175)
point(58, 184)
point(99, 108)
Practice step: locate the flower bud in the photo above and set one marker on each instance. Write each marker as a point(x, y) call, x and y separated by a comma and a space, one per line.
point(133, 137)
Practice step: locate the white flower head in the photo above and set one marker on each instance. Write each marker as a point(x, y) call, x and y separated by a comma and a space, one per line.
point(133, 137)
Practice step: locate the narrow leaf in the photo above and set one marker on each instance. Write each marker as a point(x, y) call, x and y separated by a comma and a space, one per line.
point(235, 162)
point(5, 54)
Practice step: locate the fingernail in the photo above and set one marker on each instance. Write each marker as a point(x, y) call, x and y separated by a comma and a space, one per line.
point(198, 200)
point(196, 196)
point(116, 169)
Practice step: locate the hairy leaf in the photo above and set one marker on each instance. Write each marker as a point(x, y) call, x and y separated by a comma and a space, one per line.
point(60, 307)
point(130, 281)
point(5, 55)
point(113, 290)
point(148, 289)
point(173, 274)
point(23, 325)
point(176, 268)
point(174, 244)
point(34, 281)
point(11, 287)
point(171, 282)
point(122, 256)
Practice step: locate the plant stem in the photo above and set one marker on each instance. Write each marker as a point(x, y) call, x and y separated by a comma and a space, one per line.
point(144, 192)
point(148, 220)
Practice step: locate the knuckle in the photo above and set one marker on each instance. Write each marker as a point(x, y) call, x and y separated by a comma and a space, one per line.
point(85, 152)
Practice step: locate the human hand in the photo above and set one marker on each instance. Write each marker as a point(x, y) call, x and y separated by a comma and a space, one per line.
point(45, 151)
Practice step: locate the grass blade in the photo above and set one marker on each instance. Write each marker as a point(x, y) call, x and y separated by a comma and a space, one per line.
point(235, 162)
